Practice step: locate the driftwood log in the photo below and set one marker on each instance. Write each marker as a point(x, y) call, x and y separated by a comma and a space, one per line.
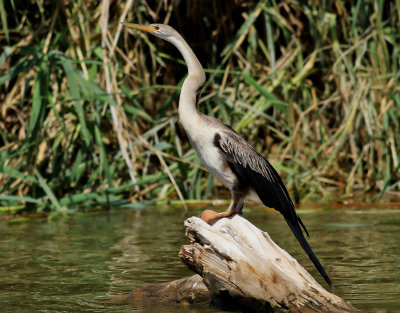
point(239, 265)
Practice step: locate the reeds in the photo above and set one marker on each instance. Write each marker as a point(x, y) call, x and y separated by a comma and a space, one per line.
point(89, 110)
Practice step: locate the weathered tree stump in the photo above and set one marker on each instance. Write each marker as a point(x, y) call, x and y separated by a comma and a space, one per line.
point(240, 263)
point(239, 266)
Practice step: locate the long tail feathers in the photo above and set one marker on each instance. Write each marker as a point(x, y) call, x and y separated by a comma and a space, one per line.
point(295, 227)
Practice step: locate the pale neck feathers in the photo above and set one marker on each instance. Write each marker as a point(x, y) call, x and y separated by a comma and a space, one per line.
point(192, 85)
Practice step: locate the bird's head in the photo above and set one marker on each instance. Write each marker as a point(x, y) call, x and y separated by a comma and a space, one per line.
point(159, 30)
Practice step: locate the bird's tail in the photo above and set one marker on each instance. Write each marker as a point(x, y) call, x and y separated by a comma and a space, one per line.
point(295, 227)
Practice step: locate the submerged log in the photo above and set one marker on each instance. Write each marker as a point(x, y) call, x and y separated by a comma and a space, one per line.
point(240, 264)
point(188, 290)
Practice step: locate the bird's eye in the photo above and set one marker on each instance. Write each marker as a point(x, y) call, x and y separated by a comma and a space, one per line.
point(156, 27)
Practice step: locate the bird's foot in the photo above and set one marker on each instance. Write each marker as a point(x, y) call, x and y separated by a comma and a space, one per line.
point(210, 216)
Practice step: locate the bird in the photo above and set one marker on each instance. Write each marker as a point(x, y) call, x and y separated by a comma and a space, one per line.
point(226, 155)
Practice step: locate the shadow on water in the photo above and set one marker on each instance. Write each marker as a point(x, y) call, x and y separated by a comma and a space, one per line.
point(78, 264)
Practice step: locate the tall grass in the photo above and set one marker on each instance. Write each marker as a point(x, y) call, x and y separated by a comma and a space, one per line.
point(89, 110)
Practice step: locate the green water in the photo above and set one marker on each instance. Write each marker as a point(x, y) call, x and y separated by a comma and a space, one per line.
point(77, 264)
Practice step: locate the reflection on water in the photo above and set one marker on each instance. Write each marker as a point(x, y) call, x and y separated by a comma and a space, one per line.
point(78, 264)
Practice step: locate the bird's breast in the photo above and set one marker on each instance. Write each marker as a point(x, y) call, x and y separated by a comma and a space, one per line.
point(211, 156)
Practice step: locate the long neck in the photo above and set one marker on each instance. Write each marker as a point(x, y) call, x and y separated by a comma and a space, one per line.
point(192, 85)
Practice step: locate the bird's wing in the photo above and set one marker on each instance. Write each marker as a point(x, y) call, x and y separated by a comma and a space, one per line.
point(251, 166)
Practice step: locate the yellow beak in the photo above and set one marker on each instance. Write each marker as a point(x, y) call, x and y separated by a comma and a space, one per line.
point(139, 27)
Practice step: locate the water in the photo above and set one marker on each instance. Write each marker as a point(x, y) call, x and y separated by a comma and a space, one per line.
point(76, 265)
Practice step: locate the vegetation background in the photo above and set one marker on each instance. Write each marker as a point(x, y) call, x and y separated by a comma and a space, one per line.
point(88, 112)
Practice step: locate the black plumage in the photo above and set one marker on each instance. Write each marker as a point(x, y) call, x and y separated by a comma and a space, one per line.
point(254, 171)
